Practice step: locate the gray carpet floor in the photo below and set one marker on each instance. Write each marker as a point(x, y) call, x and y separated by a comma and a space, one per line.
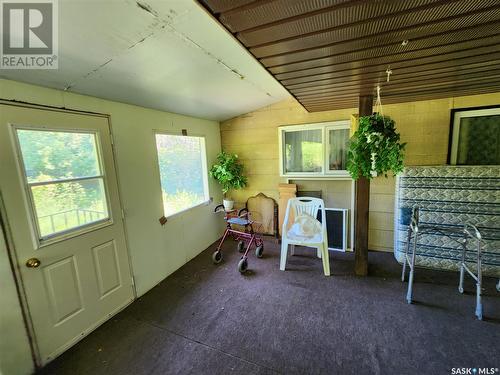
point(209, 319)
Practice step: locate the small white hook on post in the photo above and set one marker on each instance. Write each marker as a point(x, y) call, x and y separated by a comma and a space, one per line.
point(388, 72)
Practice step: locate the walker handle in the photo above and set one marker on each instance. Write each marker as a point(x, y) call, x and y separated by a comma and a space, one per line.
point(243, 212)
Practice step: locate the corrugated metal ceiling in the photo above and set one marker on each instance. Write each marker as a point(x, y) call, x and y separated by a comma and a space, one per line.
point(328, 52)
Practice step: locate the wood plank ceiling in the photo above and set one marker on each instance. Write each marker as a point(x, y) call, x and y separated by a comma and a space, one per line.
point(327, 53)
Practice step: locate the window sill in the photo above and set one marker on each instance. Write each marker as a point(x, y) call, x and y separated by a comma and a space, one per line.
point(311, 176)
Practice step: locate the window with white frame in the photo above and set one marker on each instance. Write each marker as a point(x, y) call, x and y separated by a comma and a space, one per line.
point(475, 137)
point(183, 172)
point(314, 149)
point(64, 179)
point(303, 151)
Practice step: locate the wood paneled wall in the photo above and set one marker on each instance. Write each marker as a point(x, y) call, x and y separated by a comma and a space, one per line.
point(424, 125)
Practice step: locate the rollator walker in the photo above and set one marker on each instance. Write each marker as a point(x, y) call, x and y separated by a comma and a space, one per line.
point(246, 236)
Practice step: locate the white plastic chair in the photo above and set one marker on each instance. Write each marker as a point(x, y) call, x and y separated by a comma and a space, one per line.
point(309, 206)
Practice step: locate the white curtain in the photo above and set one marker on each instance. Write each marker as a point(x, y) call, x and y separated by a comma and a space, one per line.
point(303, 151)
point(338, 149)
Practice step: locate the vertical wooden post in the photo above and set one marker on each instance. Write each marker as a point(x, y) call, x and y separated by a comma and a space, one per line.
point(362, 205)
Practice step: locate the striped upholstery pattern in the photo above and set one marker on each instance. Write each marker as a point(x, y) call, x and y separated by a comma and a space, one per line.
point(450, 196)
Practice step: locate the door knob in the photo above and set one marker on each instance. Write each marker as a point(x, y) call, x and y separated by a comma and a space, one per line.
point(33, 263)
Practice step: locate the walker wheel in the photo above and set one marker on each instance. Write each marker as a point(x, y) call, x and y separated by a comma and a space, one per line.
point(460, 289)
point(241, 246)
point(259, 250)
point(243, 265)
point(217, 257)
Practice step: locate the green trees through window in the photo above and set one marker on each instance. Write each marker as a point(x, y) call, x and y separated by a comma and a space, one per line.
point(183, 172)
point(64, 176)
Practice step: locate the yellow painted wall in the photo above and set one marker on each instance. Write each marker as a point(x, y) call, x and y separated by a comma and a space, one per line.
point(424, 125)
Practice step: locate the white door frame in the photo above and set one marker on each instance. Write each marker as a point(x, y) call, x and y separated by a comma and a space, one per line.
point(21, 295)
point(10, 245)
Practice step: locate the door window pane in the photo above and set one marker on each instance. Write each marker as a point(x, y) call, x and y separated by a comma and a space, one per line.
point(479, 140)
point(64, 177)
point(338, 139)
point(54, 155)
point(183, 172)
point(303, 151)
point(66, 205)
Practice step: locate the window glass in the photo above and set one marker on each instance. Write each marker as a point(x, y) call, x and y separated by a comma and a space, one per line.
point(182, 172)
point(64, 178)
point(303, 151)
point(51, 155)
point(66, 205)
point(479, 141)
point(338, 139)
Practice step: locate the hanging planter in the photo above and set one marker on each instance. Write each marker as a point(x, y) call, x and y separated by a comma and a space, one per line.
point(375, 148)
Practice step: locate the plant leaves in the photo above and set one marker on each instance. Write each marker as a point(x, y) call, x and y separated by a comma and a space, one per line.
point(376, 136)
point(228, 172)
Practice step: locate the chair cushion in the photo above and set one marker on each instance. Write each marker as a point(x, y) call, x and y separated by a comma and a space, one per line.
point(305, 228)
point(297, 238)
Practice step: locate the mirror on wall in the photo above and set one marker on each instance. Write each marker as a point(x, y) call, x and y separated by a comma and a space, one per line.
point(475, 137)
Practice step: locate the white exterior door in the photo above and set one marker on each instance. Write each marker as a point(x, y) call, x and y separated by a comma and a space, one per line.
point(58, 180)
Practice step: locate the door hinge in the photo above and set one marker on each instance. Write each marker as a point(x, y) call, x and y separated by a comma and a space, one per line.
point(112, 138)
point(123, 214)
point(133, 281)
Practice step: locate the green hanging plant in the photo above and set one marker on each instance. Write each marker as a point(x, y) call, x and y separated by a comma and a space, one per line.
point(375, 148)
point(228, 171)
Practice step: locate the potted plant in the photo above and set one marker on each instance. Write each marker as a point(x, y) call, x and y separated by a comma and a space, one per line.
point(228, 171)
point(375, 148)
